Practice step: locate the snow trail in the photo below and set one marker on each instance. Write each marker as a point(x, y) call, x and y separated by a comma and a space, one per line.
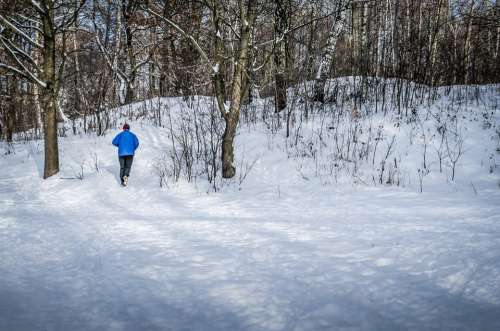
point(292, 255)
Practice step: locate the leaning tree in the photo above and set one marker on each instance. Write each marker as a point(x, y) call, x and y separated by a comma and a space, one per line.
point(241, 24)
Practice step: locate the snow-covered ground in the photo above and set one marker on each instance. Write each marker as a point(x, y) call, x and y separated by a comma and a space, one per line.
point(286, 250)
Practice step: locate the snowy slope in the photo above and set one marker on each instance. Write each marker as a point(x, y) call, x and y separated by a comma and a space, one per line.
point(286, 250)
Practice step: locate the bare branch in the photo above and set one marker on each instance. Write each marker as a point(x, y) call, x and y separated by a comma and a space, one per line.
point(186, 35)
point(20, 32)
point(24, 26)
point(72, 17)
point(109, 61)
point(24, 72)
point(38, 6)
point(18, 50)
point(14, 70)
point(29, 19)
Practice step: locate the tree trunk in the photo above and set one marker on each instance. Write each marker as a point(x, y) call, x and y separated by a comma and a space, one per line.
point(382, 43)
point(118, 97)
point(436, 25)
point(220, 68)
point(152, 64)
point(164, 55)
point(228, 170)
point(130, 93)
point(310, 51)
point(395, 48)
point(9, 121)
point(10, 110)
point(51, 166)
point(49, 99)
point(497, 48)
point(281, 51)
point(357, 35)
point(328, 55)
point(78, 99)
point(237, 89)
point(467, 46)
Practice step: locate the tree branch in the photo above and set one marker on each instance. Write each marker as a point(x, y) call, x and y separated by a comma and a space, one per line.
point(109, 62)
point(186, 35)
point(20, 32)
point(18, 50)
point(25, 72)
point(72, 18)
point(24, 26)
point(38, 6)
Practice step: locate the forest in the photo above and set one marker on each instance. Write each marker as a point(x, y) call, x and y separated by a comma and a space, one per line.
point(249, 165)
point(73, 61)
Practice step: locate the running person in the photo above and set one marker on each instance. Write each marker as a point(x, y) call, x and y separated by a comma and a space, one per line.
point(127, 143)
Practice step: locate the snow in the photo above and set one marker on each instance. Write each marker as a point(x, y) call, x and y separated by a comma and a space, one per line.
point(279, 252)
point(215, 68)
point(38, 6)
point(18, 31)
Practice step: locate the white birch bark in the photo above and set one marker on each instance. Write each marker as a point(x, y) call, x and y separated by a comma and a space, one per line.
point(327, 58)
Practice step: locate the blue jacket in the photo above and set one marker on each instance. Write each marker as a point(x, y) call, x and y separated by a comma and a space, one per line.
point(126, 142)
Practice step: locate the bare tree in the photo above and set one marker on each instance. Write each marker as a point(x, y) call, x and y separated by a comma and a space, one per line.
point(101, 53)
point(51, 21)
point(230, 113)
point(325, 67)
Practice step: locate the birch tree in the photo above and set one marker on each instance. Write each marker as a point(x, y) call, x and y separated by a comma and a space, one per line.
point(245, 17)
point(232, 115)
point(327, 58)
point(118, 27)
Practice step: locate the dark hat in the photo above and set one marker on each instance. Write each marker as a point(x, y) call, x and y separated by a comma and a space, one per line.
point(126, 126)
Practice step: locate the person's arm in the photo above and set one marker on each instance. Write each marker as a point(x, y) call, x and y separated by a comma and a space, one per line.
point(136, 142)
point(116, 141)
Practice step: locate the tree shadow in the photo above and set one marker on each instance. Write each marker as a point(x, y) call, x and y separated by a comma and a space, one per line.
point(90, 282)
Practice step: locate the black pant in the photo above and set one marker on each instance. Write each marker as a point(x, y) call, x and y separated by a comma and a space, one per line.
point(125, 165)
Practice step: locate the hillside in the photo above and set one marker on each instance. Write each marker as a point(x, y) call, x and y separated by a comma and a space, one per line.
point(350, 223)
